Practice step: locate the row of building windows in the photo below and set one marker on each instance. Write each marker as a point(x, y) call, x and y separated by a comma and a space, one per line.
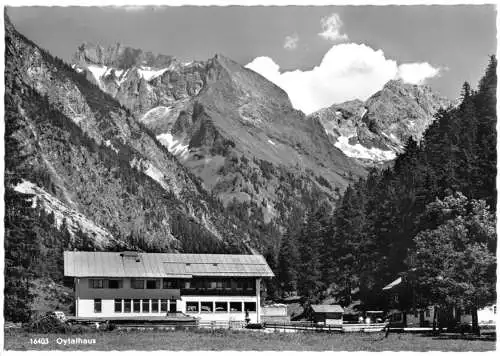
point(220, 307)
point(138, 305)
point(220, 284)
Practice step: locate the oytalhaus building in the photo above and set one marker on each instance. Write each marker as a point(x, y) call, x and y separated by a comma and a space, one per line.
point(212, 287)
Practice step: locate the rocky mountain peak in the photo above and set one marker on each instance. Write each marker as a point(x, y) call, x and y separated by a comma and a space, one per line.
point(376, 130)
point(119, 56)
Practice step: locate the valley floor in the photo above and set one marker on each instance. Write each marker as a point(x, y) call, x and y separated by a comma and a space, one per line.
point(243, 341)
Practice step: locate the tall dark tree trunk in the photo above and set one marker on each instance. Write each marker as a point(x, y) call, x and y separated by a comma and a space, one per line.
point(475, 323)
point(435, 320)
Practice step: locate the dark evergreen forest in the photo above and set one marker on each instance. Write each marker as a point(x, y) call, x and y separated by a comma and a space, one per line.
point(381, 227)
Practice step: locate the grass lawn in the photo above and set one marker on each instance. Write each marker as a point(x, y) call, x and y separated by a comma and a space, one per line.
point(244, 341)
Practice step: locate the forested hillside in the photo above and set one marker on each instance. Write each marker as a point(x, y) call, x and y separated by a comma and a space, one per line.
point(400, 219)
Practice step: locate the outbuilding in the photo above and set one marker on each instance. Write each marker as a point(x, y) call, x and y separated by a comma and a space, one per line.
point(327, 314)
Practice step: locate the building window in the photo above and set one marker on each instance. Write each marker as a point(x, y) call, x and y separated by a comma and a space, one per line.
point(145, 305)
point(396, 317)
point(115, 284)
point(164, 305)
point(239, 284)
point(235, 307)
point(137, 305)
point(170, 284)
point(151, 284)
point(192, 307)
point(97, 305)
point(250, 306)
point(154, 306)
point(118, 305)
point(221, 307)
point(138, 283)
point(172, 308)
point(187, 285)
point(127, 305)
point(96, 283)
point(427, 313)
point(226, 284)
point(207, 307)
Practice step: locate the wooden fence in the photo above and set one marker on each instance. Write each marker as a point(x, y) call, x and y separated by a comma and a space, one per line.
point(303, 326)
point(311, 326)
point(221, 324)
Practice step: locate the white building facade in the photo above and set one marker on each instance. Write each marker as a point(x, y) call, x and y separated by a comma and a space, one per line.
point(130, 285)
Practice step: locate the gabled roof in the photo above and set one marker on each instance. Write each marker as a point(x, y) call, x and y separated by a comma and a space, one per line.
point(321, 308)
point(163, 265)
point(393, 284)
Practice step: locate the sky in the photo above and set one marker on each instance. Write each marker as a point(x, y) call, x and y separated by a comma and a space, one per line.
point(319, 55)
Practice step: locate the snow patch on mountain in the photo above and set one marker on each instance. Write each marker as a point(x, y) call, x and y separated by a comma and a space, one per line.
point(155, 114)
point(174, 145)
point(74, 220)
point(98, 72)
point(156, 174)
point(359, 151)
point(149, 73)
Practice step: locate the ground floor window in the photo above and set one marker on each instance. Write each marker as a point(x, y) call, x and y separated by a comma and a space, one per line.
point(154, 305)
point(137, 305)
point(173, 306)
point(235, 307)
point(250, 306)
point(127, 305)
point(97, 305)
point(192, 307)
point(207, 307)
point(118, 305)
point(145, 305)
point(164, 305)
point(221, 306)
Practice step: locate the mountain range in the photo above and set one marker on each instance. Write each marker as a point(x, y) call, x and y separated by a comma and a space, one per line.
point(205, 133)
point(135, 150)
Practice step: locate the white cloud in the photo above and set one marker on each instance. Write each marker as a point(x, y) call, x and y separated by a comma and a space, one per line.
point(331, 26)
point(347, 71)
point(416, 73)
point(291, 42)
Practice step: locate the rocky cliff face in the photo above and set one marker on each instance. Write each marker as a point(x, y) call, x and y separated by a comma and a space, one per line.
point(376, 130)
point(231, 127)
point(100, 165)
